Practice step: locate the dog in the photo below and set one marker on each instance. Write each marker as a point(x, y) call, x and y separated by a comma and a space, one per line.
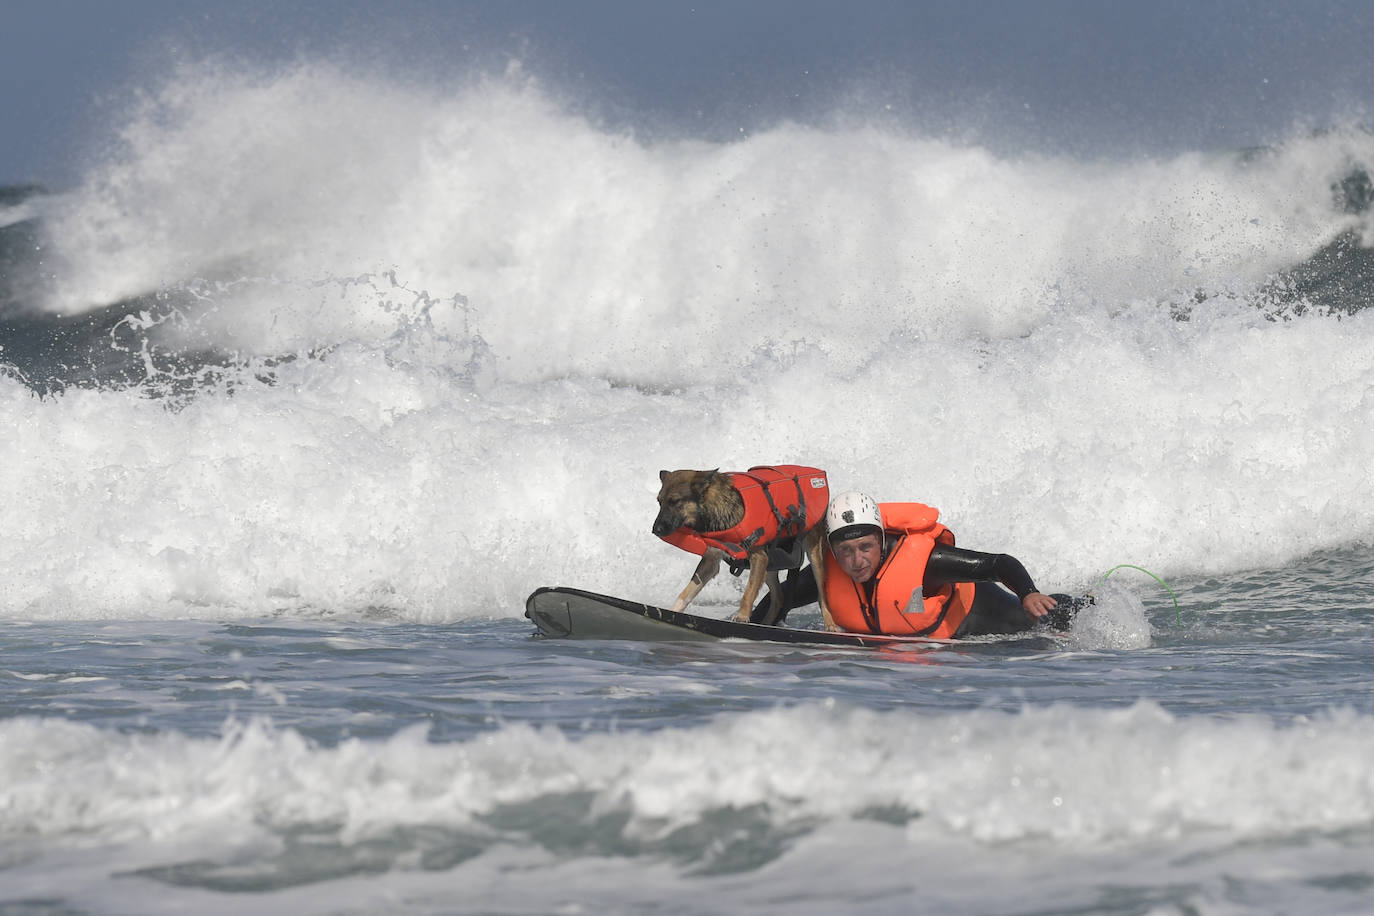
point(765, 518)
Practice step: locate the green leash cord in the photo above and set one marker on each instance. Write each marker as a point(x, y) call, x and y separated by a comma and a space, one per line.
point(1178, 617)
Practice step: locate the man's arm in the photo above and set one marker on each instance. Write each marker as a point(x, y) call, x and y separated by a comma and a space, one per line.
point(948, 565)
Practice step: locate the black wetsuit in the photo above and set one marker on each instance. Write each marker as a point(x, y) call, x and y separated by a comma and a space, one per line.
point(994, 610)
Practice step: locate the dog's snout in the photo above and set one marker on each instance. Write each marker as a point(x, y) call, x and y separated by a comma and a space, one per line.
point(667, 521)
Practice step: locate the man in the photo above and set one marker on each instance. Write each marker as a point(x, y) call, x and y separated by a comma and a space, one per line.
point(894, 569)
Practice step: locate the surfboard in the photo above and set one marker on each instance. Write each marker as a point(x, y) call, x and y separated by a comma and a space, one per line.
point(571, 613)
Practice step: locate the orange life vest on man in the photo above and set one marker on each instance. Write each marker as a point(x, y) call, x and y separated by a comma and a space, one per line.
point(780, 502)
point(885, 603)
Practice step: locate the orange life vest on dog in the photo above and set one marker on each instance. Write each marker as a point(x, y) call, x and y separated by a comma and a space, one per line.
point(780, 502)
point(898, 581)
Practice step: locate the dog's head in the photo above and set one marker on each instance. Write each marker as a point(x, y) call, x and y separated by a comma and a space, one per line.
point(684, 499)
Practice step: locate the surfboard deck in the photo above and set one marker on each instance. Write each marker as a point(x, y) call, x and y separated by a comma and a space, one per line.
point(571, 613)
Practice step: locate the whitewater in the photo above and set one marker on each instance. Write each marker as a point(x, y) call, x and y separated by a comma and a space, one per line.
point(315, 375)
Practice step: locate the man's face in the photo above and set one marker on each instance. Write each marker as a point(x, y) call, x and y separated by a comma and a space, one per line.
point(859, 557)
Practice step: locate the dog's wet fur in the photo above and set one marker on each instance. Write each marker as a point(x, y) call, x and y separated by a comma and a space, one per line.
point(700, 500)
point(707, 501)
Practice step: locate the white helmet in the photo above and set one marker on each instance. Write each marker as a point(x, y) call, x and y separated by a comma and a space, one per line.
point(852, 515)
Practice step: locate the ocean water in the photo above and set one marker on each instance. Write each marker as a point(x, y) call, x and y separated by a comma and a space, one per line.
point(312, 378)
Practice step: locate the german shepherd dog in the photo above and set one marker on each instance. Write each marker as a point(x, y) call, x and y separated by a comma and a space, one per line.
point(705, 501)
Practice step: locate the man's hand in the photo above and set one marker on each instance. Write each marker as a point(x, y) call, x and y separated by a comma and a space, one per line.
point(1038, 605)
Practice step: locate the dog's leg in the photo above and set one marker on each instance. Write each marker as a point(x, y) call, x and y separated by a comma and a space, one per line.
point(706, 571)
point(815, 551)
point(758, 570)
point(770, 617)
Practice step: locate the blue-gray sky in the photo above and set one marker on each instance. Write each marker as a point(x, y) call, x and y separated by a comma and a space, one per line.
point(1080, 76)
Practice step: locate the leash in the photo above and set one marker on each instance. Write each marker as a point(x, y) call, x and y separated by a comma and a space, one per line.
point(1178, 616)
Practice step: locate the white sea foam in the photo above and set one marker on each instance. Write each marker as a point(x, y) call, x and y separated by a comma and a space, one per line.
point(523, 317)
point(17, 213)
point(1083, 777)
